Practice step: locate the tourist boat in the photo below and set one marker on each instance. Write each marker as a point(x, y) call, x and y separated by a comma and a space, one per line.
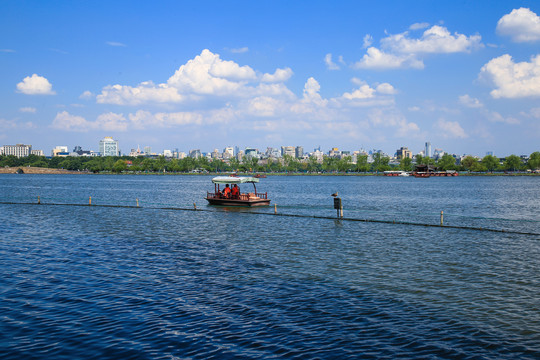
point(395, 173)
point(244, 199)
point(421, 174)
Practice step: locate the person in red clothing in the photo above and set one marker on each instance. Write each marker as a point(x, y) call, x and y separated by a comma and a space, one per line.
point(235, 192)
point(227, 191)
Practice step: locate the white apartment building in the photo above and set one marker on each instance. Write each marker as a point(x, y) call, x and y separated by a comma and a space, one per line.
point(19, 150)
point(109, 147)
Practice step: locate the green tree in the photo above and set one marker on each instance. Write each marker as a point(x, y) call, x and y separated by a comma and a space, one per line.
point(312, 164)
point(344, 164)
point(119, 166)
point(234, 163)
point(362, 164)
point(534, 161)
point(94, 165)
point(290, 163)
point(380, 163)
point(469, 162)
point(147, 165)
point(160, 165)
point(490, 162)
point(478, 167)
point(513, 163)
point(446, 162)
point(329, 164)
point(405, 163)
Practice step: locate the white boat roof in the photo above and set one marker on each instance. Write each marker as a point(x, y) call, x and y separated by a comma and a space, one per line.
point(234, 179)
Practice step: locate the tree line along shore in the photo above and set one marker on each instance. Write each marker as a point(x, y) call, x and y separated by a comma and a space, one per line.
point(286, 165)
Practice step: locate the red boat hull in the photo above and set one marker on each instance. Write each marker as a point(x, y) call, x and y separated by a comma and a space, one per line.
point(238, 202)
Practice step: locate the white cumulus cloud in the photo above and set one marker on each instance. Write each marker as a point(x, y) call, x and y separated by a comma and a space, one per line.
point(368, 40)
point(280, 75)
point(111, 122)
point(108, 121)
point(145, 119)
point(386, 88)
point(35, 85)
point(401, 51)
point(330, 65)
point(522, 25)
point(513, 80)
point(470, 102)
point(450, 129)
point(68, 122)
point(436, 39)
point(143, 93)
point(363, 92)
point(377, 59)
point(208, 74)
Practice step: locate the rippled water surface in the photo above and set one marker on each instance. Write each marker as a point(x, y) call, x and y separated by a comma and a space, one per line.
point(107, 282)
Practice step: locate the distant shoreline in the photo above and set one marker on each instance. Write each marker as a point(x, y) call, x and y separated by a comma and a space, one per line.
point(51, 171)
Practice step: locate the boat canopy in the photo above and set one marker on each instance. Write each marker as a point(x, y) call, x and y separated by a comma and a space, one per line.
point(234, 180)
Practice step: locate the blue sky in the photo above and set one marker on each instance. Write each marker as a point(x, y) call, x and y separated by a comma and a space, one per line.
point(464, 75)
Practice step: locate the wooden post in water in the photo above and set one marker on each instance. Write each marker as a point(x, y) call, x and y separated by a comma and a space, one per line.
point(90, 201)
point(194, 206)
point(441, 218)
point(38, 200)
point(338, 206)
point(275, 208)
point(137, 202)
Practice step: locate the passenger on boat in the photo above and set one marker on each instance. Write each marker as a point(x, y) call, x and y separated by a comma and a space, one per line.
point(235, 192)
point(227, 191)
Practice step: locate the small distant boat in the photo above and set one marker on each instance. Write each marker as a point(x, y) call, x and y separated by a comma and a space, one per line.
point(260, 176)
point(395, 173)
point(242, 199)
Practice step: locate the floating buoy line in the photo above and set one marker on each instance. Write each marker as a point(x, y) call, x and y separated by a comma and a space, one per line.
point(275, 213)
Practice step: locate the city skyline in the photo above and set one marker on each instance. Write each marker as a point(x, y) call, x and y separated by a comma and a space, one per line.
point(357, 75)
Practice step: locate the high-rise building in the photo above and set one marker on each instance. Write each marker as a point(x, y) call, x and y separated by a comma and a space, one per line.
point(19, 150)
point(299, 152)
point(228, 152)
point(251, 152)
point(61, 151)
point(109, 147)
point(334, 152)
point(403, 153)
point(196, 153)
point(215, 154)
point(427, 152)
point(167, 153)
point(288, 150)
point(438, 153)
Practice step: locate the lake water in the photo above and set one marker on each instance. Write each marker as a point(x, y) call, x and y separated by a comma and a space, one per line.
point(106, 282)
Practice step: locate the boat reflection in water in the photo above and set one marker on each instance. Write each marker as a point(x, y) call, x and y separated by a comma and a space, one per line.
point(227, 198)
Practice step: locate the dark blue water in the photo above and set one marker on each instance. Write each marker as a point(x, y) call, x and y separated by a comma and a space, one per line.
point(100, 282)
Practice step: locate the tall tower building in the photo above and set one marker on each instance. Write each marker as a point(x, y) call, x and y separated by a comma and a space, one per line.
point(427, 152)
point(109, 147)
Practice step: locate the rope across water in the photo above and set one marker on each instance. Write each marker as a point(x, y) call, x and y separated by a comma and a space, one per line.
point(193, 208)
